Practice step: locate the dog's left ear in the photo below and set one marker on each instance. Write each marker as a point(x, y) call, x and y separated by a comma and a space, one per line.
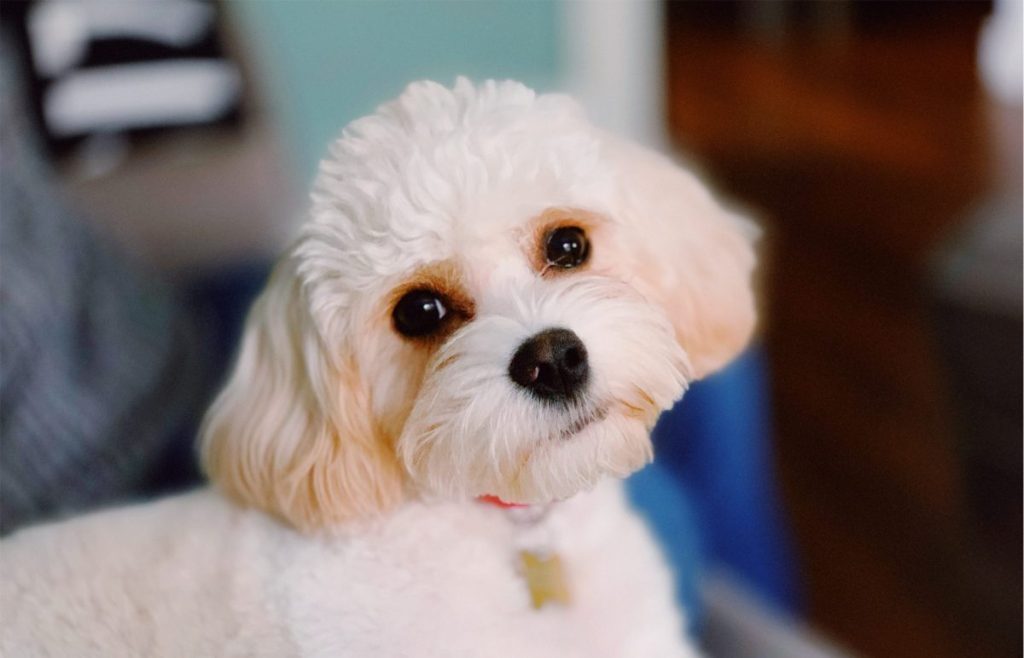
point(692, 256)
point(291, 432)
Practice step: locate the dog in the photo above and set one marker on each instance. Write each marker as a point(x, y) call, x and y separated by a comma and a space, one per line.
point(420, 447)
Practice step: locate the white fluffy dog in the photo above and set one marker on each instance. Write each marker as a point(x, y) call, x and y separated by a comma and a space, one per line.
point(492, 301)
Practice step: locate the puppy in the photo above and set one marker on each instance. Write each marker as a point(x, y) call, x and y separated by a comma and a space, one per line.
point(419, 449)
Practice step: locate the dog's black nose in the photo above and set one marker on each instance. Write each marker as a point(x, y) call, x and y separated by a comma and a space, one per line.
point(552, 365)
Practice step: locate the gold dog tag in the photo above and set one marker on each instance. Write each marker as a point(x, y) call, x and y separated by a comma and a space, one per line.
point(545, 577)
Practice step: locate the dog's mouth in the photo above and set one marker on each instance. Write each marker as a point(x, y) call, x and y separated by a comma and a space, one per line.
point(583, 421)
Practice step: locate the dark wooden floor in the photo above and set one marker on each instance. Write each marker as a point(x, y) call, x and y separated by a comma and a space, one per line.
point(862, 134)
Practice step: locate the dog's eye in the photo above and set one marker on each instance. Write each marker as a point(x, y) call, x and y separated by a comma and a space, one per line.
point(419, 313)
point(567, 247)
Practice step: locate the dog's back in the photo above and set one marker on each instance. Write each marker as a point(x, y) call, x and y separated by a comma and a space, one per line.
point(172, 578)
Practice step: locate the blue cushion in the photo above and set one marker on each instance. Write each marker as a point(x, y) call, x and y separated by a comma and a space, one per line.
point(713, 479)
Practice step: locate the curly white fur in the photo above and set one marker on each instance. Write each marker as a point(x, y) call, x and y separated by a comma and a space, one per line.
point(372, 446)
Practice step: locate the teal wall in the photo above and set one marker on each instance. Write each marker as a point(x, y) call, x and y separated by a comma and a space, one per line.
point(329, 62)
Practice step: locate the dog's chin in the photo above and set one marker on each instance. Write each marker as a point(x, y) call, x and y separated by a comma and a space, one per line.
point(607, 444)
point(591, 448)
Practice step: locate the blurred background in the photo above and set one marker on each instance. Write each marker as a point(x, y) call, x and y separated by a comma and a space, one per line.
point(851, 485)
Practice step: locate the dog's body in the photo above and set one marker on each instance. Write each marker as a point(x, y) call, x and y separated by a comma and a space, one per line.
point(198, 576)
point(492, 298)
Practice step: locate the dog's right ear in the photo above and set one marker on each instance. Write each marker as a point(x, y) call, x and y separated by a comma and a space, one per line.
point(291, 433)
point(691, 255)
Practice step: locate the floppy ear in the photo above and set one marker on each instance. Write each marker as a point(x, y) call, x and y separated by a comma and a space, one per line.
point(692, 256)
point(291, 432)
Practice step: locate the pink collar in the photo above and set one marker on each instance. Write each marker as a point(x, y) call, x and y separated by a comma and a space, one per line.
point(498, 502)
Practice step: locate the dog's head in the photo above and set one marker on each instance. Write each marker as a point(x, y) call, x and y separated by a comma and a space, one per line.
point(491, 297)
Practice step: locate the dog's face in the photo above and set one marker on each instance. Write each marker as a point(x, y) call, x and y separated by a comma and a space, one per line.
point(491, 297)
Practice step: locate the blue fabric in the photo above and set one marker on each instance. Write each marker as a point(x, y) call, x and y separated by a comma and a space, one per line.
point(713, 480)
point(662, 499)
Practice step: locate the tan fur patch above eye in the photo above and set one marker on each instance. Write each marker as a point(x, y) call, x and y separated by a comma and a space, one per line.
point(446, 279)
point(534, 241)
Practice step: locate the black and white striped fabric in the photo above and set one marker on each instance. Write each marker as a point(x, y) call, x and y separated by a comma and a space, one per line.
point(122, 69)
